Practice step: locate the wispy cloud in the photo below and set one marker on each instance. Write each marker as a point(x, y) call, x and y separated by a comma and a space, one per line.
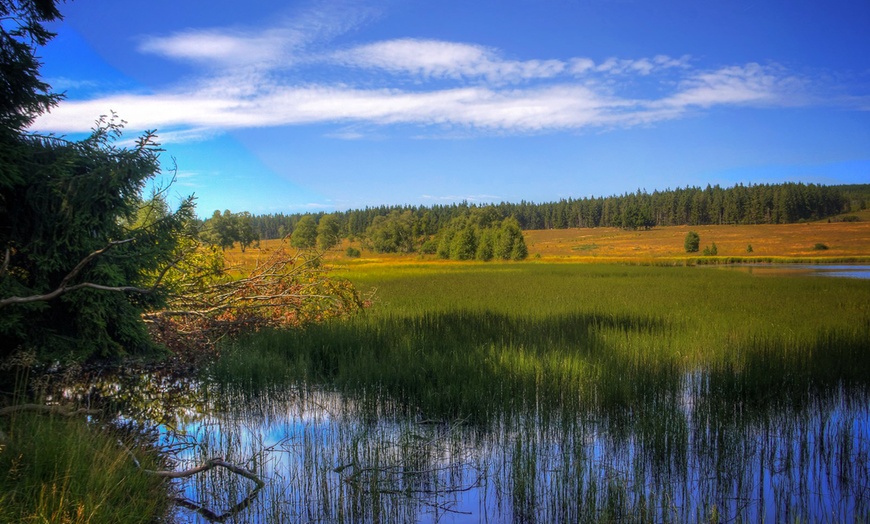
point(748, 84)
point(539, 108)
point(640, 66)
point(220, 48)
point(280, 46)
point(430, 83)
point(440, 59)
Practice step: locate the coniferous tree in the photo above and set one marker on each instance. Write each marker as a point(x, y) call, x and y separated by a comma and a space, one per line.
point(464, 244)
point(692, 242)
point(79, 261)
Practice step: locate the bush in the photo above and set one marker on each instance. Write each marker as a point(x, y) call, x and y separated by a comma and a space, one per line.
point(352, 252)
point(820, 247)
point(429, 247)
point(749, 248)
point(711, 251)
point(692, 242)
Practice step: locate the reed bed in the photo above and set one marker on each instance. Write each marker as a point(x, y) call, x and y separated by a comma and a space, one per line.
point(582, 393)
point(455, 338)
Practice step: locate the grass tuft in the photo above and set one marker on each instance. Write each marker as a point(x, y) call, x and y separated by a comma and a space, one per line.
point(63, 470)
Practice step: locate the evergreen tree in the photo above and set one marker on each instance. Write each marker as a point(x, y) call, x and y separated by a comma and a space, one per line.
point(692, 242)
point(82, 251)
point(510, 244)
point(464, 244)
point(486, 244)
point(23, 94)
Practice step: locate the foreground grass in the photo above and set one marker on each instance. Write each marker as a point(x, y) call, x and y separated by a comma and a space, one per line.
point(61, 470)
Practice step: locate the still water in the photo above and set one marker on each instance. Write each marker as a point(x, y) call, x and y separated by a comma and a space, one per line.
point(821, 270)
point(691, 456)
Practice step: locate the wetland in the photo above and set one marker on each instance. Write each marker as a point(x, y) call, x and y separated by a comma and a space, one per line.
point(536, 392)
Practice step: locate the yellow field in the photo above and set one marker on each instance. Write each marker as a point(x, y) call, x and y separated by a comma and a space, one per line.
point(845, 241)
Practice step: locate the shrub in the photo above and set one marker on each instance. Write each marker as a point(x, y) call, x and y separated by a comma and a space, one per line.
point(820, 247)
point(749, 248)
point(692, 242)
point(429, 247)
point(711, 250)
point(352, 252)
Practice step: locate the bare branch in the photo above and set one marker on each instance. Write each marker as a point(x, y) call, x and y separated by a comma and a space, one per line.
point(64, 286)
point(207, 465)
point(85, 261)
point(284, 289)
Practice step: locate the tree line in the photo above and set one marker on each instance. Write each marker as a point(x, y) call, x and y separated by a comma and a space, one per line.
point(405, 228)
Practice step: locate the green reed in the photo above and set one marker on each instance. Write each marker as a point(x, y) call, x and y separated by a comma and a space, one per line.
point(474, 340)
point(585, 393)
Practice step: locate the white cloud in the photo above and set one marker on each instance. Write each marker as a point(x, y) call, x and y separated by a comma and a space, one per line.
point(212, 46)
point(249, 86)
point(579, 66)
point(748, 84)
point(640, 66)
point(281, 45)
point(440, 59)
point(188, 115)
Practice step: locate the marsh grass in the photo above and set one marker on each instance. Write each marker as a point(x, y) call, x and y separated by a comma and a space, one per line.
point(472, 341)
point(592, 393)
point(64, 470)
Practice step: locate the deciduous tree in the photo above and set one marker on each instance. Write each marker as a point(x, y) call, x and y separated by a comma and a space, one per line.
point(305, 233)
point(328, 232)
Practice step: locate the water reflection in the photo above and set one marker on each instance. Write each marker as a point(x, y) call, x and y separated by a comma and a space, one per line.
point(693, 456)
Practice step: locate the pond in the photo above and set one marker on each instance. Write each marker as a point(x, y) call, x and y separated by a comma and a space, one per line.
point(684, 456)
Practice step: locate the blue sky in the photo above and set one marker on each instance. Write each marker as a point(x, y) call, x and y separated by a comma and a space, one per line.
point(270, 106)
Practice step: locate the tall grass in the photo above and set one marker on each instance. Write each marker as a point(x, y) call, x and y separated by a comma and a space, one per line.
point(473, 338)
point(598, 393)
point(61, 470)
